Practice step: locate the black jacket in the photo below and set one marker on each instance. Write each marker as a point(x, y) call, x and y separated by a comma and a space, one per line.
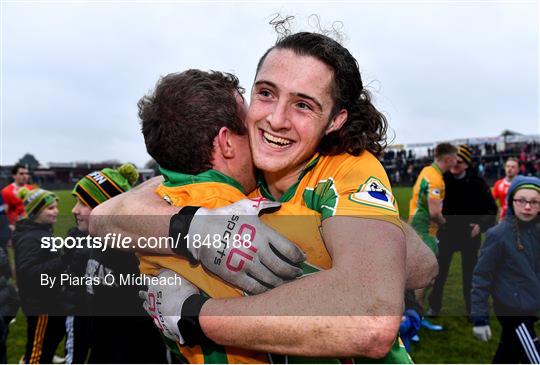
point(9, 300)
point(467, 200)
point(31, 261)
point(75, 296)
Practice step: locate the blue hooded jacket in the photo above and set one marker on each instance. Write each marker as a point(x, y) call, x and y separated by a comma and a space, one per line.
point(510, 274)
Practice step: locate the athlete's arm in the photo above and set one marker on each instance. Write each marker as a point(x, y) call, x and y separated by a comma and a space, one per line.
point(435, 211)
point(422, 266)
point(352, 309)
point(123, 214)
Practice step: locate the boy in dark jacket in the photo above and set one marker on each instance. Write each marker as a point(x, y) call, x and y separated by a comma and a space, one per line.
point(32, 263)
point(120, 330)
point(509, 270)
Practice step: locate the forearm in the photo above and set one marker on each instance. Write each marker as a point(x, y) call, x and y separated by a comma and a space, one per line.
point(302, 336)
point(303, 327)
point(435, 211)
point(422, 266)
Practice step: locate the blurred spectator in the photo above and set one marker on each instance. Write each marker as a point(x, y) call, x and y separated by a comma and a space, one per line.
point(469, 209)
point(15, 207)
point(500, 189)
point(5, 232)
point(44, 331)
point(9, 303)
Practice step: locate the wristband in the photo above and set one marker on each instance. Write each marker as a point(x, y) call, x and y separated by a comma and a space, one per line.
point(189, 325)
point(178, 230)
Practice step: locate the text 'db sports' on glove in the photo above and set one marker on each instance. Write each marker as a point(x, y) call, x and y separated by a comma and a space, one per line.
point(234, 244)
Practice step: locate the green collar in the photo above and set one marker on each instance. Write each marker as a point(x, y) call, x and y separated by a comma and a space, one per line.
point(436, 167)
point(261, 183)
point(173, 178)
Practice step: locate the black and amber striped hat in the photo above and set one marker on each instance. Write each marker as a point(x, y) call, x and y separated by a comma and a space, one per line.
point(465, 152)
point(99, 186)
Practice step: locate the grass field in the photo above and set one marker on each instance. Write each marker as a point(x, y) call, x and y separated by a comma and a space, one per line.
point(453, 345)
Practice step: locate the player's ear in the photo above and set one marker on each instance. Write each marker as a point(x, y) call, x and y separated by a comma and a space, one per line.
point(225, 143)
point(337, 122)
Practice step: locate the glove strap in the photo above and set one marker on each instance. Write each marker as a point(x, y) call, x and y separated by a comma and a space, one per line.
point(178, 231)
point(189, 325)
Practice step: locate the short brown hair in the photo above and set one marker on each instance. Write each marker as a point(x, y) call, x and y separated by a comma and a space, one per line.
point(444, 149)
point(15, 169)
point(514, 159)
point(181, 118)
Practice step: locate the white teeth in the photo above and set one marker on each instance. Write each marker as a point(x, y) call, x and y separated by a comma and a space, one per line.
point(276, 140)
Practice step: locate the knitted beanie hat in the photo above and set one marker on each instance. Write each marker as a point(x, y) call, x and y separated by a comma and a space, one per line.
point(465, 152)
point(36, 200)
point(99, 186)
point(535, 187)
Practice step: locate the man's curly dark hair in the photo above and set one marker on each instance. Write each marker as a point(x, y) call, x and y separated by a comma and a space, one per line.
point(365, 128)
point(181, 118)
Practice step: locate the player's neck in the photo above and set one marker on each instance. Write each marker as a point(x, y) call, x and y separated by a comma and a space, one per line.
point(440, 165)
point(278, 183)
point(509, 179)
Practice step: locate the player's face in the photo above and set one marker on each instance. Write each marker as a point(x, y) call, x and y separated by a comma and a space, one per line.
point(82, 215)
point(459, 167)
point(21, 177)
point(48, 215)
point(450, 161)
point(526, 204)
point(511, 169)
point(290, 111)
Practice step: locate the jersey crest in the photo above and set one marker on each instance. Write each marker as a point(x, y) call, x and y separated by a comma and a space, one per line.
point(374, 193)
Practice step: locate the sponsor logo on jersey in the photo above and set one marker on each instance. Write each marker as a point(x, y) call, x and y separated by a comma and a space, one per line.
point(374, 193)
point(436, 192)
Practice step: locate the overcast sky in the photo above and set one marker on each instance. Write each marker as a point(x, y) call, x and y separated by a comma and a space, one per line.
point(72, 73)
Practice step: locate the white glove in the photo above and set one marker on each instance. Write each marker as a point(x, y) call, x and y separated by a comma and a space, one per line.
point(164, 303)
point(483, 333)
point(239, 247)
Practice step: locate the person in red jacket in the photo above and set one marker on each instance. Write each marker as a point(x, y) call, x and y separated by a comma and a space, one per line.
point(15, 206)
point(500, 189)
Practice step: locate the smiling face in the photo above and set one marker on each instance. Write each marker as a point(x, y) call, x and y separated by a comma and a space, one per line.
point(290, 111)
point(82, 215)
point(48, 215)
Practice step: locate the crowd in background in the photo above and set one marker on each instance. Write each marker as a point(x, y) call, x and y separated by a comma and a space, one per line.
point(403, 166)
